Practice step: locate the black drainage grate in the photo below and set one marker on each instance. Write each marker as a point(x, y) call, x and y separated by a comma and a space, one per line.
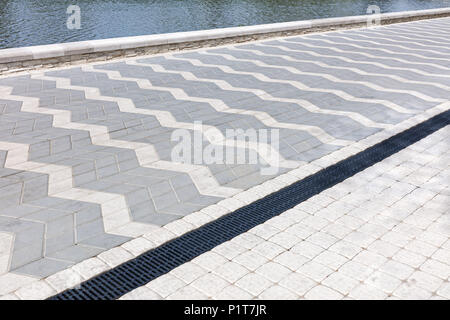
point(137, 272)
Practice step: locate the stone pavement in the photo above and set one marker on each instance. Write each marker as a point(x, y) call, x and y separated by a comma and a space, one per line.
point(85, 152)
point(381, 234)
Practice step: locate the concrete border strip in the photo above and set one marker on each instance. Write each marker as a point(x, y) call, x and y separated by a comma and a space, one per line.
point(28, 58)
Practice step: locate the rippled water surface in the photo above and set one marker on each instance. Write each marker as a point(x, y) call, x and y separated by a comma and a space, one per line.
point(34, 22)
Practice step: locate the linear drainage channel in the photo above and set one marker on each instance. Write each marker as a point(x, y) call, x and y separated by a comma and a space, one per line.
point(150, 265)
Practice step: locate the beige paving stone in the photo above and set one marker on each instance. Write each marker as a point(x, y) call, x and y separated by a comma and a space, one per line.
point(323, 293)
point(229, 249)
point(356, 270)
point(346, 249)
point(264, 231)
point(300, 230)
point(188, 272)
point(138, 246)
point(307, 249)
point(280, 222)
point(298, 283)
point(444, 290)
point(277, 292)
point(141, 293)
point(336, 230)
point(247, 240)
point(254, 283)
point(179, 227)
point(273, 271)
point(308, 207)
point(330, 259)
point(231, 271)
point(10, 296)
point(296, 215)
point(421, 247)
point(442, 255)
point(209, 260)
point(284, 239)
point(315, 222)
point(64, 279)
point(340, 282)
point(90, 267)
point(210, 284)
point(396, 239)
point(233, 292)
point(424, 280)
point(370, 259)
point(367, 292)
point(411, 292)
point(328, 214)
point(268, 249)
point(409, 258)
point(165, 285)
point(187, 293)
point(436, 268)
point(315, 271)
point(115, 256)
point(251, 260)
point(322, 239)
point(291, 260)
point(360, 239)
point(36, 290)
point(397, 269)
point(383, 248)
point(159, 236)
point(383, 281)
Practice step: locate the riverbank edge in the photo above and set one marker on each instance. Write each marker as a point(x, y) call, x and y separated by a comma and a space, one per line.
point(73, 53)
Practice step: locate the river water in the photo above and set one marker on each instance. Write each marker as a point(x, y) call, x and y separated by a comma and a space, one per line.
point(35, 22)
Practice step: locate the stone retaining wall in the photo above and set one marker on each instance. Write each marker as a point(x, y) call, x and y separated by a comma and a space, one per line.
point(72, 53)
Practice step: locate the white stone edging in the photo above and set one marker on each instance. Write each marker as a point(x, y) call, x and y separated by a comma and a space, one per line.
point(67, 50)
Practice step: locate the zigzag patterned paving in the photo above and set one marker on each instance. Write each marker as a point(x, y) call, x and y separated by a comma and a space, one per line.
point(85, 152)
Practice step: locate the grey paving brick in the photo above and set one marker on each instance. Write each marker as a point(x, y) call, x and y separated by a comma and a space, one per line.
point(160, 219)
point(165, 200)
point(43, 267)
point(59, 242)
point(26, 255)
point(76, 253)
point(105, 241)
point(89, 229)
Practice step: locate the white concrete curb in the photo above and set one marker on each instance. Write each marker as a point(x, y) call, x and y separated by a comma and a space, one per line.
point(15, 55)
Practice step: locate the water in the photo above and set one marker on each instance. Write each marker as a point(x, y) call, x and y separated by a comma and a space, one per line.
point(35, 22)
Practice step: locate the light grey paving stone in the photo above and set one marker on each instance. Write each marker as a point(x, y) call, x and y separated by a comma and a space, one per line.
point(84, 178)
point(105, 241)
point(161, 219)
point(26, 254)
point(59, 242)
point(18, 211)
point(29, 237)
point(165, 200)
point(58, 226)
point(142, 209)
point(89, 229)
point(137, 196)
point(43, 267)
point(76, 253)
point(183, 209)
